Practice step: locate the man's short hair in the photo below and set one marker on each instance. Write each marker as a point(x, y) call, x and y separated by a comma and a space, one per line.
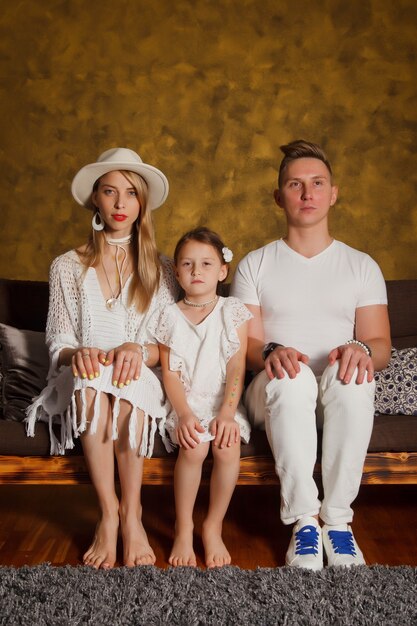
point(301, 149)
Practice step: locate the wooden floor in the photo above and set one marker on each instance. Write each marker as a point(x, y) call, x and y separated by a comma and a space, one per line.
point(55, 524)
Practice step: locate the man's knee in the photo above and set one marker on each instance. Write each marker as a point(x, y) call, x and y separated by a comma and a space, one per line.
point(330, 375)
point(330, 379)
point(265, 397)
point(302, 388)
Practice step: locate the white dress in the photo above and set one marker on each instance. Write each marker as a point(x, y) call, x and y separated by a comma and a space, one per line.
point(78, 316)
point(200, 353)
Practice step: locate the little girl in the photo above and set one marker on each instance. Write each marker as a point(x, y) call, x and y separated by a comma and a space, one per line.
point(203, 341)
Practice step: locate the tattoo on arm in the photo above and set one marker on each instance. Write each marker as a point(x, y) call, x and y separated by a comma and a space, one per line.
point(233, 391)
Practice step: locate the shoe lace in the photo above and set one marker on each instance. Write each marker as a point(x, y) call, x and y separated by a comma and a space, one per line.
point(307, 540)
point(342, 542)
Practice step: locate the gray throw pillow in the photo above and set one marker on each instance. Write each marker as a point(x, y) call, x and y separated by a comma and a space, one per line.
point(24, 363)
point(396, 385)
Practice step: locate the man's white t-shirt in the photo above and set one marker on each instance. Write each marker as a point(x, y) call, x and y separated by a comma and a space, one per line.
point(309, 303)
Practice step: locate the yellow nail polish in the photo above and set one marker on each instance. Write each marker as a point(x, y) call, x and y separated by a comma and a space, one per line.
point(103, 361)
point(96, 374)
point(84, 375)
point(121, 386)
point(91, 377)
point(127, 382)
point(115, 383)
point(107, 361)
point(75, 373)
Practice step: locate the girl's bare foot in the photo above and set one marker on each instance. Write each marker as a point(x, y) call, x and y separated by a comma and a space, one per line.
point(216, 552)
point(182, 552)
point(136, 548)
point(102, 552)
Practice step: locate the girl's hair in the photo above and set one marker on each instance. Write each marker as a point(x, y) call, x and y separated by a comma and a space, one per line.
point(146, 264)
point(203, 235)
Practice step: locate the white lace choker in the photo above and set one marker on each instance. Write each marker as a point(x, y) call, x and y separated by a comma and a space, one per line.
point(199, 304)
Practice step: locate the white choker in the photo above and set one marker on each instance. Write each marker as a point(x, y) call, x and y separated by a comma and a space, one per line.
point(118, 242)
point(199, 304)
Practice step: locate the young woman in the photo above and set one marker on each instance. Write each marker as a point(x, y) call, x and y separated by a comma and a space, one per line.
point(101, 385)
point(203, 346)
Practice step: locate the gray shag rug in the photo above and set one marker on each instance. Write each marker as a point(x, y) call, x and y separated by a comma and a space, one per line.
point(68, 596)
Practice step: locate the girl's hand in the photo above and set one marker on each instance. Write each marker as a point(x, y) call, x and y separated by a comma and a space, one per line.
point(127, 360)
point(226, 431)
point(85, 362)
point(186, 431)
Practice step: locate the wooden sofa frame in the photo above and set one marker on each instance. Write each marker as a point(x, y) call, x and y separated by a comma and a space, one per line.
point(391, 468)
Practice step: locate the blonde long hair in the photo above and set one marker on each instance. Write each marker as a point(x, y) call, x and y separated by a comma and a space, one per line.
point(146, 264)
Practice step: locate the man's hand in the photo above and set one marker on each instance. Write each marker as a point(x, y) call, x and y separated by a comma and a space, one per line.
point(283, 360)
point(352, 356)
point(188, 427)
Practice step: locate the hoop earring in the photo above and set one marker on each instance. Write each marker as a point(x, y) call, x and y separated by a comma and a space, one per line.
point(97, 221)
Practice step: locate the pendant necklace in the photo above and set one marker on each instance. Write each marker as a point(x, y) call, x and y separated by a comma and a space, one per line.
point(199, 304)
point(113, 302)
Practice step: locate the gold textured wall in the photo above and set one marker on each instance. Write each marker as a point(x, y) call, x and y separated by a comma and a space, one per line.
point(208, 91)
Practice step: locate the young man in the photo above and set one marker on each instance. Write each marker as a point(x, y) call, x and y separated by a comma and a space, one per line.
point(319, 330)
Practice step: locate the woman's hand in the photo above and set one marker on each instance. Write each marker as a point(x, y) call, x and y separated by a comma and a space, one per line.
point(127, 363)
point(85, 362)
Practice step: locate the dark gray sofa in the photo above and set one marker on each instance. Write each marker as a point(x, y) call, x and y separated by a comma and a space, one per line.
point(392, 455)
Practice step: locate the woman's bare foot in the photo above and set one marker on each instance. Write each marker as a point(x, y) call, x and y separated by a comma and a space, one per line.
point(182, 552)
point(216, 552)
point(102, 552)
point(136, 548)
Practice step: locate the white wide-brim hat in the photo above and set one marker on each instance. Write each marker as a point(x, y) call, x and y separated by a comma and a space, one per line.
point(120, 159)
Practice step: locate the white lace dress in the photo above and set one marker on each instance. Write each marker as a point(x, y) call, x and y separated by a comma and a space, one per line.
point(200, 353)
point(78, 316)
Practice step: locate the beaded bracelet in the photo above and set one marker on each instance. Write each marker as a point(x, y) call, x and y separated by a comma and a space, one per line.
point(361, 344)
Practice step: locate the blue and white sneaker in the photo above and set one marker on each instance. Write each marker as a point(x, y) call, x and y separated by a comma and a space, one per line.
point(306, 548)
point(340, 546)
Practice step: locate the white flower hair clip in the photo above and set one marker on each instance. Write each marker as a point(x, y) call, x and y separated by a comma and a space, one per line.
point(227, 254)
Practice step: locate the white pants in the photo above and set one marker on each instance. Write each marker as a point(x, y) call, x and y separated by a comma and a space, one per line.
point(290, 411)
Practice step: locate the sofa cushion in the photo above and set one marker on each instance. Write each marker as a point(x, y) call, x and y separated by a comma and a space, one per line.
point(391, 433)
point(396, 386)
point(24, 363)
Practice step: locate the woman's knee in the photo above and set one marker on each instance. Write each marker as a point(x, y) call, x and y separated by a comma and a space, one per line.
point(94, 411)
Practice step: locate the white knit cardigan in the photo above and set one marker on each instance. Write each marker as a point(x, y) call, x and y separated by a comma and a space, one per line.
point(69, 325)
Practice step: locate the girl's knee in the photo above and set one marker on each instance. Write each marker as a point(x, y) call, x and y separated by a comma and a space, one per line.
point(195, 455)
point(226, 454)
